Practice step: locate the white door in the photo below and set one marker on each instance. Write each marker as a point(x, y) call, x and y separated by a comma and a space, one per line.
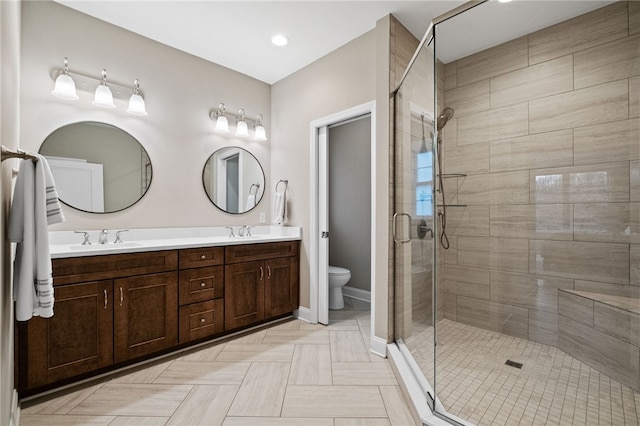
point(79, 183)
point(323, 225)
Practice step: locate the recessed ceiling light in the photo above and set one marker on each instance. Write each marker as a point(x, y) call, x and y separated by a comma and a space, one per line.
point(279, 40)
point(504, 1)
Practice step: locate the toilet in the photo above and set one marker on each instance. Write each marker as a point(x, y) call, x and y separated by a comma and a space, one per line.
point(338, 277)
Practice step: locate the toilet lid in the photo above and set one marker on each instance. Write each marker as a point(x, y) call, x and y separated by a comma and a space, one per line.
point(335, 270)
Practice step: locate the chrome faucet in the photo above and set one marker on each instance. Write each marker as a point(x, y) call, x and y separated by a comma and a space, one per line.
point(244, 231)
point(86, 241)
point(102, 238)
point(118, 238)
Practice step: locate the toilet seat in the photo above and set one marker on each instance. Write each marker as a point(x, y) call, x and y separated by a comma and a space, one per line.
point(336, 270)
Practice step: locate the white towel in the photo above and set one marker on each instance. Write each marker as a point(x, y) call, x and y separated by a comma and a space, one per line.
point(35, 206)
point(251, 202)
point(280, 208)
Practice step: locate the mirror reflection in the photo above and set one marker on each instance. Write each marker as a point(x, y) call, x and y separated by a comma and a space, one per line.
point(97, 167)
point(233, 180)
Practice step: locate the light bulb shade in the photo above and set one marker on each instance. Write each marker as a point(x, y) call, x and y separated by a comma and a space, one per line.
point(136, 105)
point(241, 129)
point(261, 134)
point(65, 88)
point(103, 97)
point(222, 124)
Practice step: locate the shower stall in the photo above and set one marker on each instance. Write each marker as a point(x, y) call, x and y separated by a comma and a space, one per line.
point(516, 220)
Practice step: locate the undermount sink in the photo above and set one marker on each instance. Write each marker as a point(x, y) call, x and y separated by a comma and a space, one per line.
point(106, 246)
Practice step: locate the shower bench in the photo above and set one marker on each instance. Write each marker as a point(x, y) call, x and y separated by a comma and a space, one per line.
point(603, 331)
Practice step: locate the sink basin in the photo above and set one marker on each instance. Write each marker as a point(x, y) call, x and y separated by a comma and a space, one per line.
point(105, 246)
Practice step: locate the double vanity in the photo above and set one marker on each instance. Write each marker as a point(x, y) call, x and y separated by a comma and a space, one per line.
point(158, 291)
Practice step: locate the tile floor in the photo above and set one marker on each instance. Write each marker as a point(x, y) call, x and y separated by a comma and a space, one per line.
point(552, 388)
point(291, 374)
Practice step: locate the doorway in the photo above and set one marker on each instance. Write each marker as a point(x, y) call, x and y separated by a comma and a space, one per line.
point(320, 211)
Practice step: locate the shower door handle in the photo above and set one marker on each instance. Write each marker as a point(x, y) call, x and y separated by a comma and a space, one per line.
point(395, 226)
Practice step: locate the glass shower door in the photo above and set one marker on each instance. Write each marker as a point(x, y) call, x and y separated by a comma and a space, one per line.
point(413, 219)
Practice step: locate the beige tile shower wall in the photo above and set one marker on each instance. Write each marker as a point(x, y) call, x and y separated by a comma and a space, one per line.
point(547, 130)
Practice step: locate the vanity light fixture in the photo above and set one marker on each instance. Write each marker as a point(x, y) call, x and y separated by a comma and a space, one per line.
point(65, 87)
point(242, 130)
point(136, 102)
point(260, 133)
point(222, 124)
point(103, 96)
point(219, 116)
point(66, 83)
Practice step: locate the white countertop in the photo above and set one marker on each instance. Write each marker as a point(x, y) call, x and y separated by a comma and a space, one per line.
point(69, 244)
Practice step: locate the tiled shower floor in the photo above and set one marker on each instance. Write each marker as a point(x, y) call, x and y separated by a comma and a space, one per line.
point(552, 388)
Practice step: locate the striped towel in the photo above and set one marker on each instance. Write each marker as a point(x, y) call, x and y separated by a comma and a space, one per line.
point(35, 206)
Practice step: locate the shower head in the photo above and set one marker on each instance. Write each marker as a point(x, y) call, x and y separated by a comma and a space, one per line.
point(445, 115)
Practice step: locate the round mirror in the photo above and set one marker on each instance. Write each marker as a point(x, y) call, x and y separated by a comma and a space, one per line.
point(97, 167)
point(233, 180)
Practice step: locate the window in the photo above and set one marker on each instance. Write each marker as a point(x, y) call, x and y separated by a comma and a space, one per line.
point(424, 185)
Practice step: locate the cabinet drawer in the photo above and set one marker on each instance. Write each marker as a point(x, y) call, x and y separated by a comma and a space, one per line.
point(200, 320)
point(93, 268)
point(199, 257)
point(250, 252)
point(198, 285)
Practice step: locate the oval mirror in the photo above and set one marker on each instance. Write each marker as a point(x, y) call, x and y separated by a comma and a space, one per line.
point(233, 180)
point(97, 167)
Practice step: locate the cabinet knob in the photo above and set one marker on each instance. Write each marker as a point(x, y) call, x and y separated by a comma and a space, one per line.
point(203, 285)
point(202, 320)
point(203, 257)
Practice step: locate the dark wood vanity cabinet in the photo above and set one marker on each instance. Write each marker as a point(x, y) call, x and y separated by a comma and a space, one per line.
point(145, 315)
point(108, 310)
point(201, 293)
point(257, 289)
point(111, 310)
point(77, 339)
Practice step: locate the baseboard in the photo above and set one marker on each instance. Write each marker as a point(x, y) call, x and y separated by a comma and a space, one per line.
point(14, 420)
point(303, 314)
point(379, 346)
point(357, 293)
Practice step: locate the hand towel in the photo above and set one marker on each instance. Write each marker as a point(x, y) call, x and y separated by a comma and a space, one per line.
point(280, 208)
point(251, 202)
point(35, 206)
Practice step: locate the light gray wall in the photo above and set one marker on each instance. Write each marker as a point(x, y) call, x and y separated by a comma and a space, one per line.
point(180, 90)
point(9, 134)
point(350, 200)
point(343, 79)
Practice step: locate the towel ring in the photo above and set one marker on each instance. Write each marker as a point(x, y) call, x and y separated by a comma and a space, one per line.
point(256, 186)
point(286, 184)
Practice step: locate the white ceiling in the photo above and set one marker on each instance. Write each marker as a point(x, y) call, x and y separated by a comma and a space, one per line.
point(236, 34)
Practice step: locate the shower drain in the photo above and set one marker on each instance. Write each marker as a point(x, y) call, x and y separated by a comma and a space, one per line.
point(513, 364)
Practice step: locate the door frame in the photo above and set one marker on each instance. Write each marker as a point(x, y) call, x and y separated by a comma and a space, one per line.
point(318, 289)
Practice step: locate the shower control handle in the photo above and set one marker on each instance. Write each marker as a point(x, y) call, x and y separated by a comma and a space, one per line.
point(424, 229)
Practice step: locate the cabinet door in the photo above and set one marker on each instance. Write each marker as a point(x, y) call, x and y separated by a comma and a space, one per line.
point(145, 315)
point(76, 340)
point(281, 286)
point(243, 294)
